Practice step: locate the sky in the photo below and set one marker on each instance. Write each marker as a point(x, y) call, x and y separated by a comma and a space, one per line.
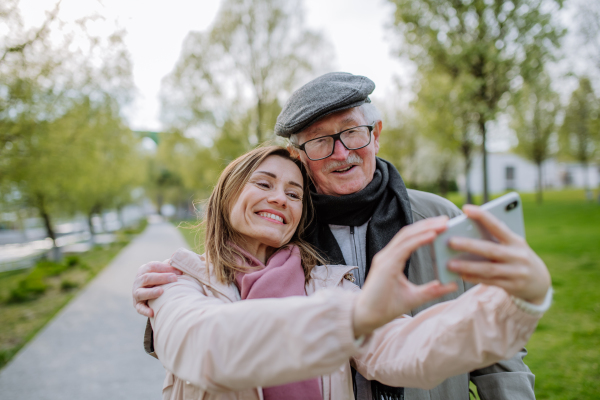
point(357, 30)
point(155, 34)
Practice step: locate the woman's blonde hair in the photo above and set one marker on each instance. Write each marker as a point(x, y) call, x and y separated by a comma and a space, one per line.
point(220, 234)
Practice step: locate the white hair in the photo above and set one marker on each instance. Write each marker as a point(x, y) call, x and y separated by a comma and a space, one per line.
point(369, 112)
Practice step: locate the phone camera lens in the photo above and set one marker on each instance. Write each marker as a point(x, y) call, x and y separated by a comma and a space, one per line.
point(511, 206)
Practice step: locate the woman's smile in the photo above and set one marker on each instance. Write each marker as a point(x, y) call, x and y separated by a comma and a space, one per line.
point(272, 216)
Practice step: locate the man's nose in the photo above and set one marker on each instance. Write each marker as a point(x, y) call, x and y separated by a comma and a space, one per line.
point(339, 151)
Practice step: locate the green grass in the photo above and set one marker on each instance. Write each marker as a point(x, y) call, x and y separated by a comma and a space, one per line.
point(25, 313)
point(193, 235)
point(564, 352)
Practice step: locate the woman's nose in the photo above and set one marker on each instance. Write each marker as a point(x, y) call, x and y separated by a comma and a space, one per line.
point(278, 197)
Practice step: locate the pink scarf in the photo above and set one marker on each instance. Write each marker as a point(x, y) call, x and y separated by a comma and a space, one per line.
point(283, 276)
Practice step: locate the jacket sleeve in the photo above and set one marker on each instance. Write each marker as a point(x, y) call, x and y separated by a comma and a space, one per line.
point(506, 380)
point(222, 347)
point(476, 330)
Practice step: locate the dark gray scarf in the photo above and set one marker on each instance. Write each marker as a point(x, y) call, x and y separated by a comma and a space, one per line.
point(385, 201)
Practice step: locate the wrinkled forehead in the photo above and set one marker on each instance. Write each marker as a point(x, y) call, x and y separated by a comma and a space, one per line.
point(332, 124)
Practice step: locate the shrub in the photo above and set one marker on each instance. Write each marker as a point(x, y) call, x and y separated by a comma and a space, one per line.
point(49, 268)
point(72, 261)
point(29, 288)
point(66, 284)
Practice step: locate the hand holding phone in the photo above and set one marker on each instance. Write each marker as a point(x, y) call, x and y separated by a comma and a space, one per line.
point(487, 246)
point(506, 208)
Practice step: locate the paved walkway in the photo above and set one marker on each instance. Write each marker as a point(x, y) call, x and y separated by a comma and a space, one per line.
point(93, 349)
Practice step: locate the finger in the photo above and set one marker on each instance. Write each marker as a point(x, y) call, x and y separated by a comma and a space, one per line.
point(142, 294)
point(159, 267)
point(486, 269)
point(483, 248)
point(437, 224)
point(412, 243)
point(433, 290)
point(152, 279)
point(495, 226)
point(501, 283)
point(143, 309)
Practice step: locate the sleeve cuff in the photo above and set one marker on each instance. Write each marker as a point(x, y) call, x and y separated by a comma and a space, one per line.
point(534, 309)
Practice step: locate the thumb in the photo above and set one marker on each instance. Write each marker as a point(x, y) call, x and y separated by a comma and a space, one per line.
point(431, 291)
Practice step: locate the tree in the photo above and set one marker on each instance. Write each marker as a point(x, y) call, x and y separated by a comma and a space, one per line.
point(52, 93)
point(255, 52)
point(444, 119)
point(536, 108)
point(489, 47)
point(580, 131)
point(588, 29)
point(106, 157)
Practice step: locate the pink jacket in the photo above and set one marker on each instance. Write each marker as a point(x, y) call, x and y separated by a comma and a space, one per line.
point(214, 346)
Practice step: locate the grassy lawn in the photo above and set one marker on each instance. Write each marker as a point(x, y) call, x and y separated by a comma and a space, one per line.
point(30, 298)
point(564, 352)
point(193, 236)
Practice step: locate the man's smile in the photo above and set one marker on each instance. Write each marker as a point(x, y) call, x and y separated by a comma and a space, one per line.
point(344, 169)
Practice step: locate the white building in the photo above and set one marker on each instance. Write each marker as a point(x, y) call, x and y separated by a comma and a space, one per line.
point(508, 171)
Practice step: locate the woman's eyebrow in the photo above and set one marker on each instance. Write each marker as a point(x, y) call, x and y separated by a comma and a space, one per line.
point(296, 184)
point(272, 175)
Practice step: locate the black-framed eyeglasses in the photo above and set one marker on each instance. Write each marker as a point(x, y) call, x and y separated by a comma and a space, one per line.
point(324, 146)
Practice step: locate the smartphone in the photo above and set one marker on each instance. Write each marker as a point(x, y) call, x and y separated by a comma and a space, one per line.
point(506, 208)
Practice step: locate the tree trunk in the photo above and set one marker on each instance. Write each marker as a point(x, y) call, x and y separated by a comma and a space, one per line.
point(443, 181)
point(540, 186)
point(120, 216)
point(159, 203)
point(56, 255)
point(91, 227)
point(485, 164)
point(466, 152)
point(259, 132)
point(586, 179)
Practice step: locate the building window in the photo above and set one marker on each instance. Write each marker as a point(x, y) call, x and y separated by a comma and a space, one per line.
point(510, 178)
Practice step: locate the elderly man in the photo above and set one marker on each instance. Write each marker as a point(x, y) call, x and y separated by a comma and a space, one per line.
point(360, 203)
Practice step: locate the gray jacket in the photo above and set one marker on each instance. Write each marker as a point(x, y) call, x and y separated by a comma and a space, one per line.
point(509, 379)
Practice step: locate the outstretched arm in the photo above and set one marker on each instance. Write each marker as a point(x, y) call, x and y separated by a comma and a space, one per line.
point(481, 327)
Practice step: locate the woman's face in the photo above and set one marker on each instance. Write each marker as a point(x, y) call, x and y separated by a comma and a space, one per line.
point(269, 208)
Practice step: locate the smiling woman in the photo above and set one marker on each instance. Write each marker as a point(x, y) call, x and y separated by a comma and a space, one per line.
point(255, 317)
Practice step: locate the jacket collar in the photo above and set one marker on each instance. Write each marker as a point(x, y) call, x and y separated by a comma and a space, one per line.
point(195, 265)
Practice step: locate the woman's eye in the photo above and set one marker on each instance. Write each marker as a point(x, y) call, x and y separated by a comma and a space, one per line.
point(295, 196)
point(263, 184)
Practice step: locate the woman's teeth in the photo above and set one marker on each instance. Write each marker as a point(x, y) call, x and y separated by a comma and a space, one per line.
point(271, 216)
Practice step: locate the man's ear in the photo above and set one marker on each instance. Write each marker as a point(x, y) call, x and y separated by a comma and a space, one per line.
point(293, 151)
point(376, 132)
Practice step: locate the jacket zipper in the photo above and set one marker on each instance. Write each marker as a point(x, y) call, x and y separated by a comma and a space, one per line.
point(355, 254)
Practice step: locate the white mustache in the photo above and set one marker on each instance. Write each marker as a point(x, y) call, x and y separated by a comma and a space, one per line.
point(353, 159)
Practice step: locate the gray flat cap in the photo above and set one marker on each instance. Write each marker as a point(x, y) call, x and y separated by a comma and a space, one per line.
point(325, 95)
